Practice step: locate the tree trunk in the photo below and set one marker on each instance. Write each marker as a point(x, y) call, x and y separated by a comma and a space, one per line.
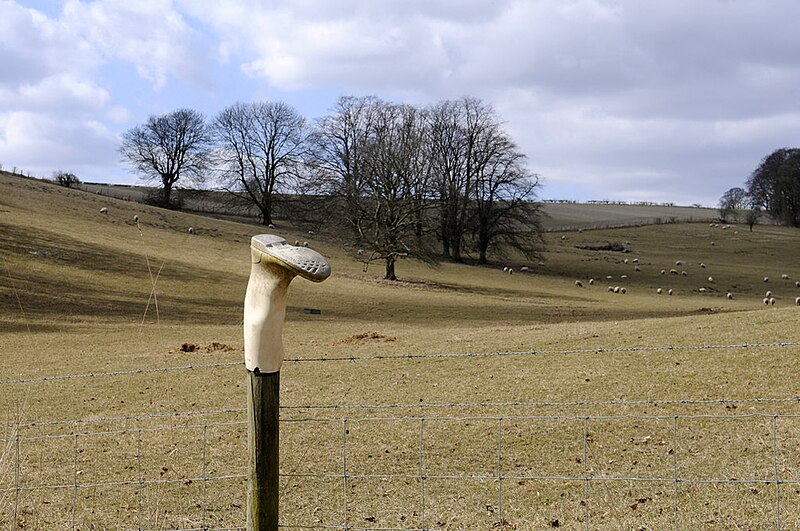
point(390, 268)
point(165, 194)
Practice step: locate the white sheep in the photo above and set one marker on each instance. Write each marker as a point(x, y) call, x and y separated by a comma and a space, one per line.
point(663, 271)
point(797, 283)
point(578, 284)
point(611, 289)
point(623, 290)
point(768, 294)
point(609, 277)
point(702, 265)
point(766, 279)
point(659, 290)
point(563, 238)
point(523, 269)
point(711, 280)
point(772, 301)
point(623, 277)
point(766, 300)
point(673, 271)
point(730, 296)
point(104, 210)
point(684, 273)
point(702, 290)
point(191, 230)
point(271, 226)
point(797, 301)
point(637, 268)
point(679, 262)
point(510, 270)
point(785, 276)
point(635, 260)
point(136, 219)
point(625, 261)
point(669, 292)
point(616, 289)
point(297, 244)
point(713, 244)
point(591, 281)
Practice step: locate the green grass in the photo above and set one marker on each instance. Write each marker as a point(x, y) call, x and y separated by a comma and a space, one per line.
point(74, 299)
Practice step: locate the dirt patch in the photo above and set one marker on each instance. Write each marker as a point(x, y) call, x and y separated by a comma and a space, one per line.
point(367, 337)
point(214, 346)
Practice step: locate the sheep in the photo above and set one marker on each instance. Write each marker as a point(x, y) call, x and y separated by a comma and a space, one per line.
point(625, 261)
point(578, 284)
point(104, 210)
point(702, 265)
point(768, 294)
point(523, 269)
point(766, 300)
point(663, 271)
point(702, 290)
point(311, 233)
point(623, 277)
point(659, 290)
point(360, 252)
point(797, 283)
point(772, 301)
point(610, 289)
point(623, 290)
point(505, 269)
point(271, 226)
point(191, 230)
point(679, 262)
point(785, 276)
point(297, 244)
point(730, 296)
point(713, 244)
point(136, 219)
point(591, 281)
point(684, 273)
point(673, 271)
point(637, 268)
point(305, 244)
point(766, 279)
point(711, 280)
point(635, 260)
point(797, 301)
point(563, 238)
point(669, 292)
point(510, 271)
point(616, 289)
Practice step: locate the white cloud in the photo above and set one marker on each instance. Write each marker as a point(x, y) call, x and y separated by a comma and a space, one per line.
point(150, 34)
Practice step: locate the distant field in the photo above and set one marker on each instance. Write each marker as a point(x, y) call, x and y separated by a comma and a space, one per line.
point(573, 216)
point(558, 216)
point(614, 408)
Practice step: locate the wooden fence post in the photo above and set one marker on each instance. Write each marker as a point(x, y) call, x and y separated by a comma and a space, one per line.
point(263, 402)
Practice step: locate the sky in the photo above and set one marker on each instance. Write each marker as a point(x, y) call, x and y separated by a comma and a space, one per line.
point(628, 100)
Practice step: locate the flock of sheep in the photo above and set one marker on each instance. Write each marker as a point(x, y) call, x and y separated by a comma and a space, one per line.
point(679, 270)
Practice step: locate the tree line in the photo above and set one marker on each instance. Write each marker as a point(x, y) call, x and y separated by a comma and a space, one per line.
point(773, 188)
point(444, 181)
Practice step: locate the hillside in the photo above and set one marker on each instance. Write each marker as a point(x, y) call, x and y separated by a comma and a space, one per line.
point(122, 355)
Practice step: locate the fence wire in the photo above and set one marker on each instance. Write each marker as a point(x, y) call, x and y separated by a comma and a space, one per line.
point(421, 471)
point(384, 357)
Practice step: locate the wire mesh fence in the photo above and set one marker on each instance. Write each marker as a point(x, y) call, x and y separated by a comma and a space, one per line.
point(505, 465)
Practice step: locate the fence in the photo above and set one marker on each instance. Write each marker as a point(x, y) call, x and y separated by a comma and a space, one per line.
point(426, 466)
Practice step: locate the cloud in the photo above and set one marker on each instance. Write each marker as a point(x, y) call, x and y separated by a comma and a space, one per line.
point(150, 34)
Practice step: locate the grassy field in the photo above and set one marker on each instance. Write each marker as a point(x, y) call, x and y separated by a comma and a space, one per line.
point(76, 298)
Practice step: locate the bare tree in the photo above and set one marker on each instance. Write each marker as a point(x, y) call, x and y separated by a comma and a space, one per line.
point(505, 211)
point(369, 157)
point(261, 147)
point(775, 186)
point(168, 149)
point(731, 202)
point(66, 179)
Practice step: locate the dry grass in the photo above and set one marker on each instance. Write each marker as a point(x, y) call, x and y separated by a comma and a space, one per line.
point(75, 286)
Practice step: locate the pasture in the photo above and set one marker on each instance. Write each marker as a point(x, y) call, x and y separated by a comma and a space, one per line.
point(612, 414)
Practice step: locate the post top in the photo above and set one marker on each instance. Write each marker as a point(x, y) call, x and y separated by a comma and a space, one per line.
point(304, 261)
